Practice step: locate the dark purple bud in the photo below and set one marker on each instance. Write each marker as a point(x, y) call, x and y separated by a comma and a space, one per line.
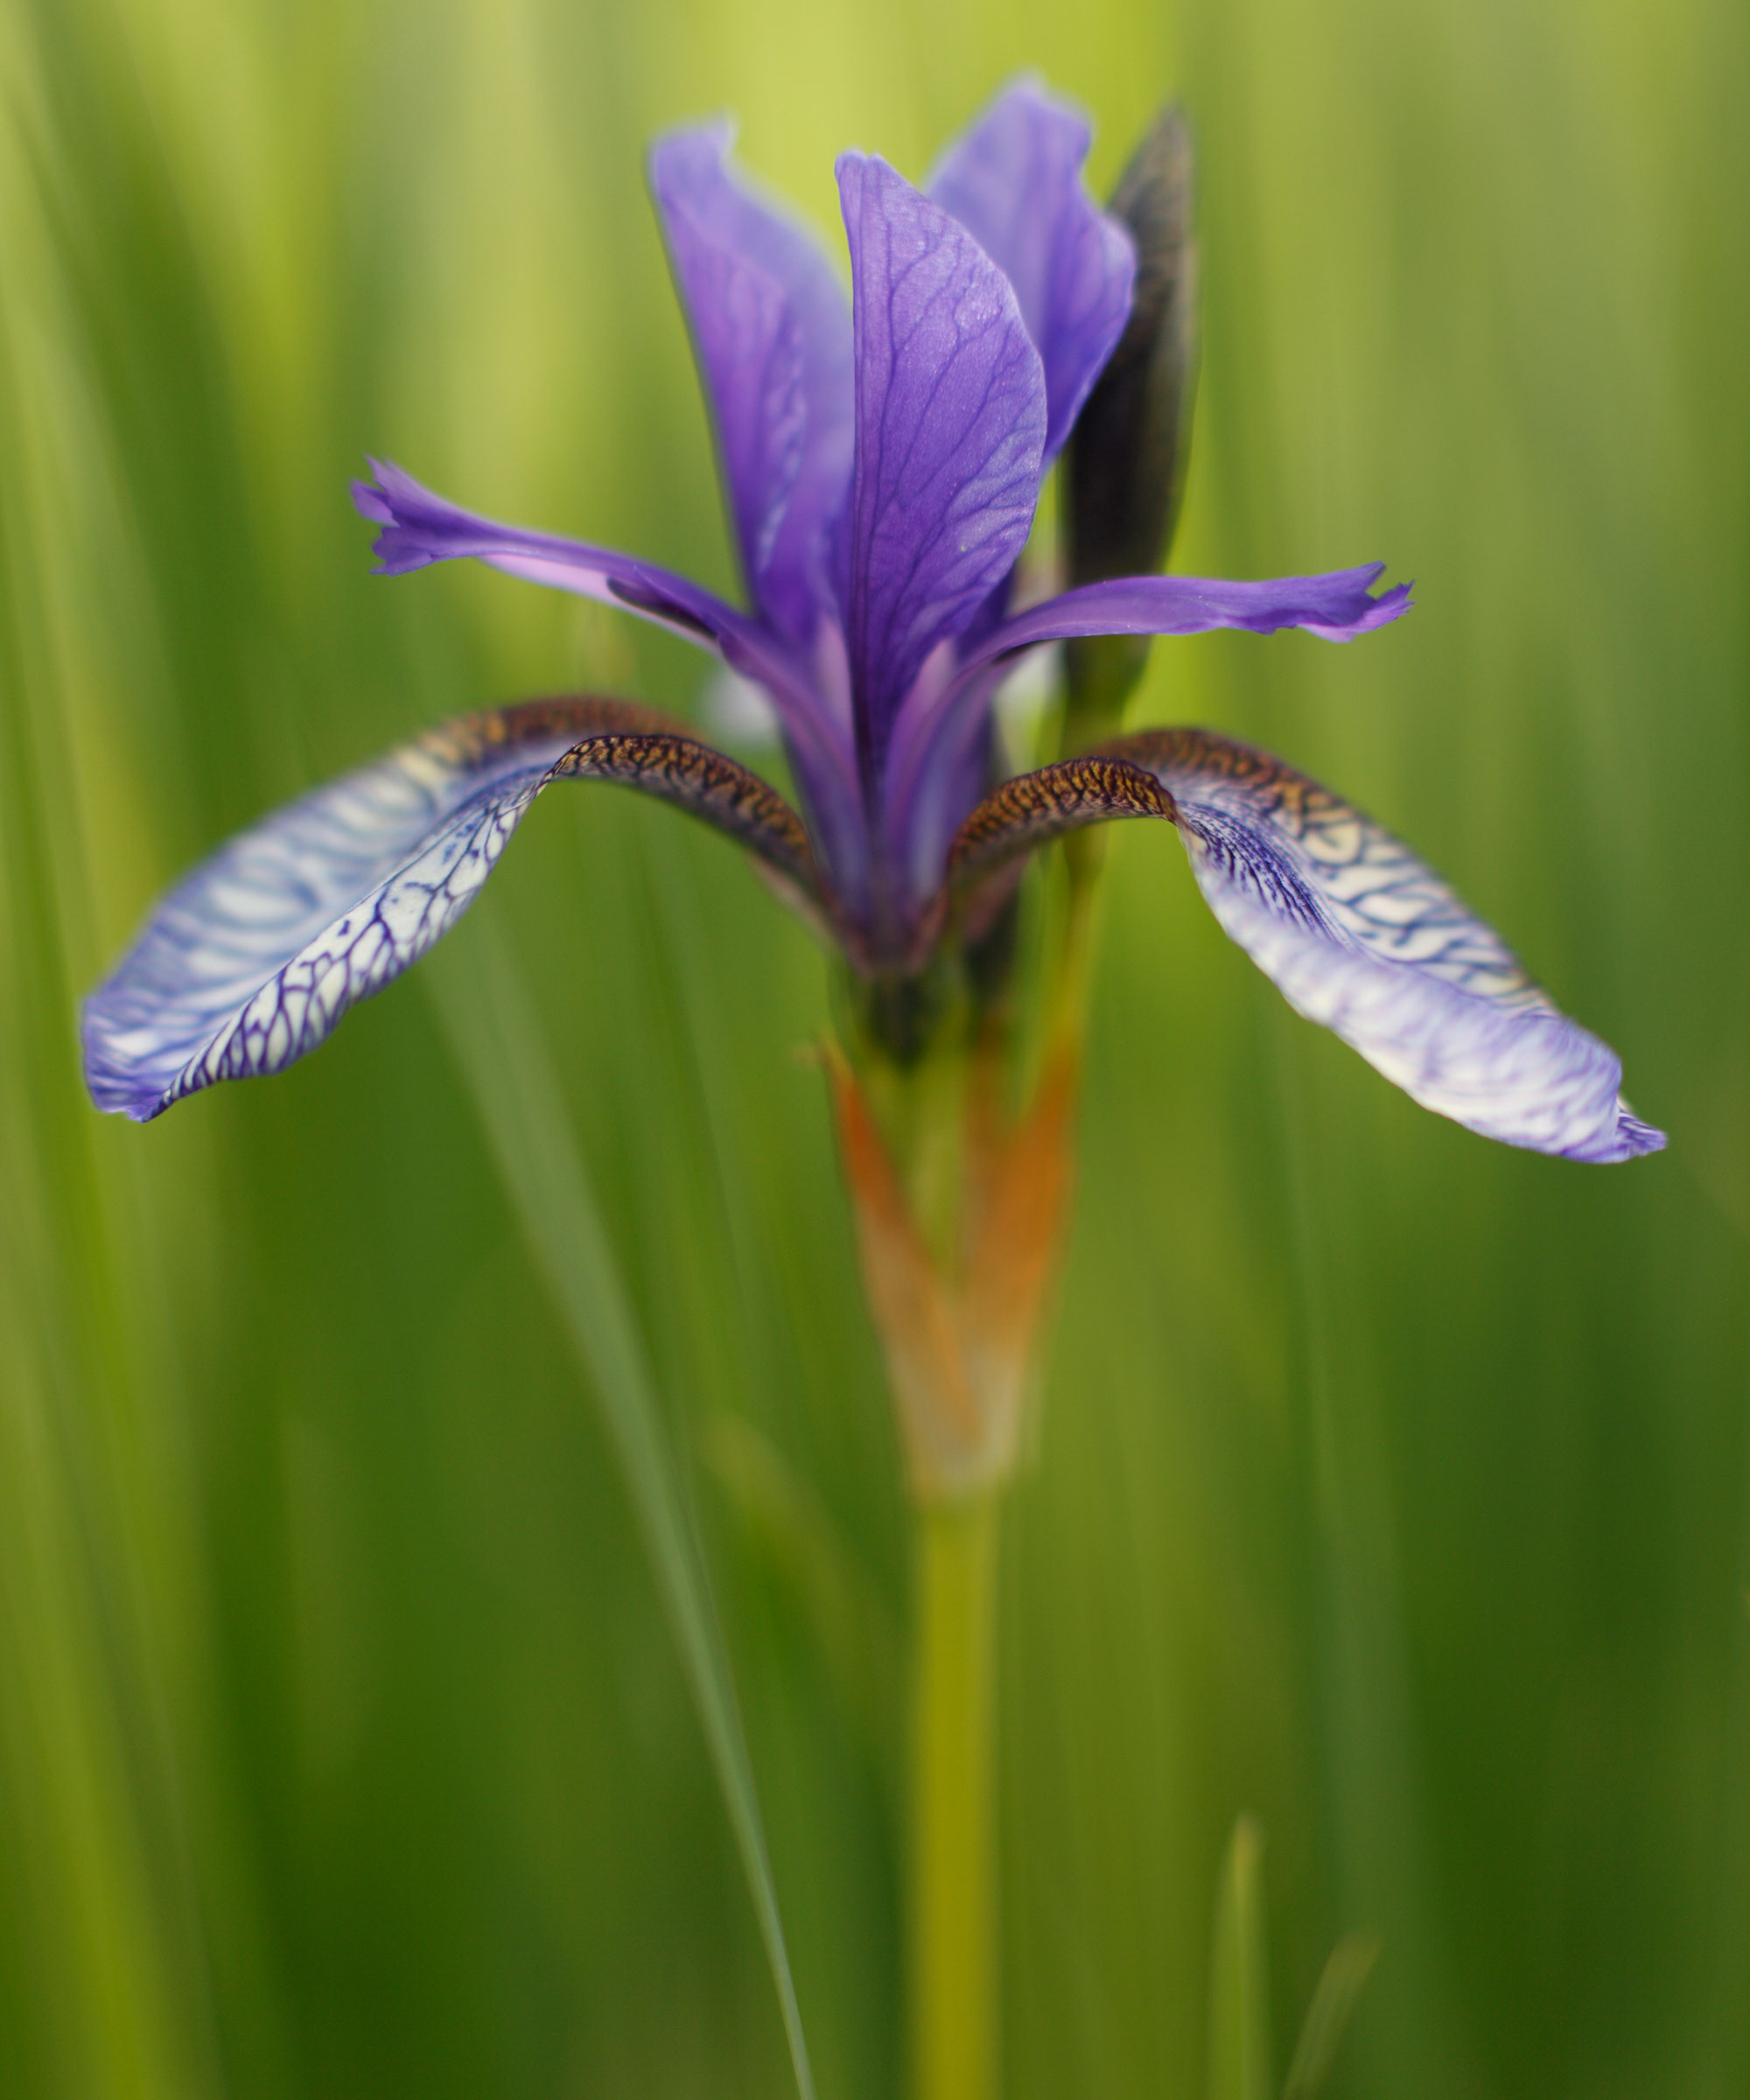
point(1127, 456)
point(1125, 465)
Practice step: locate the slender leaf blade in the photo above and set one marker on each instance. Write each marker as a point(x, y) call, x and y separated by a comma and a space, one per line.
point(1327, 2017)
point(496, 1037)
point(1239, 1974)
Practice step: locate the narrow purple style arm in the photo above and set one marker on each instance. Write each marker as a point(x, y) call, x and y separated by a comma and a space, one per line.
point(420, 528)
point(1014, 182)
point(934, 727)
point(950, 424)
point(1356, 932)
point(771, 330)
point(1337, 607)
point(252, 960)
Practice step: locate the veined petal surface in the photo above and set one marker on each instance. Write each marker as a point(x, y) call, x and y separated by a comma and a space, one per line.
point(950, 429)
point(1014, 182)
point(250, 961)
point(771, 332)
point(1355, 931)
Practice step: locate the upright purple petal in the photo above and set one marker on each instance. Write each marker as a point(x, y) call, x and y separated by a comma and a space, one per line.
point(1014, 182)
point(420, 528)
point(950, 425)
point(772, 332)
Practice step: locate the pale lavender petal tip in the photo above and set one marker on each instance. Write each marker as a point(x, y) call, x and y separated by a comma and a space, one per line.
point(1630, 1139)
point(1374, 614)
point(371, 504)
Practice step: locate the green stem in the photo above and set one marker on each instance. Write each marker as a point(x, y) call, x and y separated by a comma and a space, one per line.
point(953, 1922)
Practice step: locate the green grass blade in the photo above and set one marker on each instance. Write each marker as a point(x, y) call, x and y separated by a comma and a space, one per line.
point(852, 1628)
point(1239, 1974)
point(1327, 2017)
point(497, 1040)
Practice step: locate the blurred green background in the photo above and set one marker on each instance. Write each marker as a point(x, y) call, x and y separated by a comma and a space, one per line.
point(1389, 1485)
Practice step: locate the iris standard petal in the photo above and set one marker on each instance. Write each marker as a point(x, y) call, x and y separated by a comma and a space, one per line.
point(250, 961)
point(420, 528)
point(950, 423)
point(771, 329)
point(1355, 931)
point(1014, 182)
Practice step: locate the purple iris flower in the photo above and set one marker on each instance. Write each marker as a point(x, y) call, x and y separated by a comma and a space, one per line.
point(882, 458)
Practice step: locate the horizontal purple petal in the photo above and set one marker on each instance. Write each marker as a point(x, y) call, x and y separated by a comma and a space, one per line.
point(934, 726)
point(420, 528)
point(250, 961)
point(950, 423)
point(771, 331)
point(1351, 926)
point(1014, 182)
point(1337, 607)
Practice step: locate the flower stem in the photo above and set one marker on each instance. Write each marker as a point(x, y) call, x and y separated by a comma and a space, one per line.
point(953, 1922)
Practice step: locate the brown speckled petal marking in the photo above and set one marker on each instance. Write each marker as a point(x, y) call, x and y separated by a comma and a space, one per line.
point(249, 962)
point(1035, 807)
point(1355, 931)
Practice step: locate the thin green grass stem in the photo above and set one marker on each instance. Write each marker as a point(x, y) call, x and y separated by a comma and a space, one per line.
point(952, 1954)
point(497, 1038)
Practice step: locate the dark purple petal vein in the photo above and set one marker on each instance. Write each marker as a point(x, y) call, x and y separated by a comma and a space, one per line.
point(251, 961)
point(950, 423)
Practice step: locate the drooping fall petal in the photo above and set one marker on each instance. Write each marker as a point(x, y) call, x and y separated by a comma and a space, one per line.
point(250, 961)
point(1352, 927)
